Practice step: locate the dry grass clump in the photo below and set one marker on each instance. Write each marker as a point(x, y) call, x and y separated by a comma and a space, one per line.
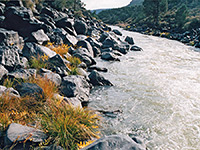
point(59, 49)
point(38, 62)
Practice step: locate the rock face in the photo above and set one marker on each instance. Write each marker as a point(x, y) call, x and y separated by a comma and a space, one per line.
point(30, 89)
point(75, 86)
point(9, 57)
point(9, 37)
point(98, 80)
point(115, 142)
point(19, 133)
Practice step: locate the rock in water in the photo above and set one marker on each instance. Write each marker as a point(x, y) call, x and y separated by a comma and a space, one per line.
point(129, 40)
point(115, 142)
point(98, 80)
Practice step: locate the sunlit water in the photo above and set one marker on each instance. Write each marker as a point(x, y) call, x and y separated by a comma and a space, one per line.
point(158, 91)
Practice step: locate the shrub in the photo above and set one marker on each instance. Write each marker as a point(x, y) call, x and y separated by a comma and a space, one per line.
point(59, 49)
point(67, 126)
point(38, 62)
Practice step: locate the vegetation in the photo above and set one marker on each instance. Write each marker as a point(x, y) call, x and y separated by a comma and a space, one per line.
point(38, 62)
point(64, 124)
point(176, 15)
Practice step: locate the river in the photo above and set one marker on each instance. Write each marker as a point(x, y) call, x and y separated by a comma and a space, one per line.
point(158, 91)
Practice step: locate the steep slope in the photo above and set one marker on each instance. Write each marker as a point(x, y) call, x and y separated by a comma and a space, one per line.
point(136, 2)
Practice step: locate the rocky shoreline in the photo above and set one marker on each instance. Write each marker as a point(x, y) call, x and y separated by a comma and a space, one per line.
point(24, 36)
point(191, 37)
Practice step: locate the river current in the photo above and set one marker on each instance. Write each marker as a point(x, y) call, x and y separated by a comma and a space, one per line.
point(158, 90)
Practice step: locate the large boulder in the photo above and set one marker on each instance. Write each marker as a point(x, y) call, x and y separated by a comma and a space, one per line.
point(65, 22)
point(57, 64)
point(2, 7)
point(115, 142)
point(30, 89)
point(98, 80)
point(9, 37)
point(109, 42)
point(86, 44)
point(22, 20)
point(75, 86)
point(109, 56)
point(3, 71)
point(9, 57)
point(80, 27)
point(117, 32)
point(53, 13)
point(17, 133)
point(34, 50)
point(38, 37)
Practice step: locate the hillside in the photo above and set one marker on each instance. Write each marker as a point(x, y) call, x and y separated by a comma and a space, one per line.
point(136, 2)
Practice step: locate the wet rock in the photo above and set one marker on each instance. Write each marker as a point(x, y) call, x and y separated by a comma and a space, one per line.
point(57, 64)
point(129, 40)
point(9, 37)
point(121, 48)
point(17, 133)
point(80, 27)
point(9, 57)
point(10, 91)
point(98, 80)
point(109, 42)
point(39, 37)
point(136, 48)
point(91, 68)
point(117, 32)
point(113, 142)
point(109, 56)
point(3, 71)
point(53, 77)
point(75, 86)
point(34, 50)
point(30, 89)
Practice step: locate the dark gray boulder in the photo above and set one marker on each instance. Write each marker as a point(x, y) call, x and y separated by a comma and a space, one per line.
point(97, 79)
point(80, 27)
point(129, 40)
point(9, 37)
point(117, 32)
point(30, 89)
point(86, 44)
point(75, 86)
point(53, 77)
point(9, 57)
point(65, 22)
point(38, 37)
point(108, 42)
point(3, 71)
point(95, 46)
point(57, 64)
point(21, 19)
point(34, 50)
point(2, 9)
point(115, 142)
point(17, 133)
point(14, 3)
point(100, 69)
point(136, 48)
point(103, 36)
point(53, 13)
point(69, 39)
point(109, 56)
point(121, 48)
point(10, 91)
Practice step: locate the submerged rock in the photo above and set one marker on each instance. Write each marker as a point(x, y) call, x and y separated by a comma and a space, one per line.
point(115, 142)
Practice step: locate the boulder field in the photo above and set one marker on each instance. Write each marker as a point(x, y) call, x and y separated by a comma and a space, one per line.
point(24, 35)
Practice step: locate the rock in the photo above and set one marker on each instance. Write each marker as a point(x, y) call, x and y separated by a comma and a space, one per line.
point(30, 89)
point(57, 64)
point(51, 147)
point(95, 46)
point(47, 20)
point(69, 39)
point(14, 3)
point(21, 20)
point(53, 77)
point(91, 68)
point(73, 101)
point(86, 44)
point(9, 37)
point(17, 133)
point(82, 72)
point(108, 42)
point(121, 48)
point(136, 48)
point(103, 36)
point(65, 22)
point(38, 37)
point(53, 13)
point(80, 27)
point(197, 45)
point(10, 91)
point(3, 71)
point(34, 50)
point(117, 32)
point(2, 7)
point(115, 142)
point(22, 74)
point(129, 40)
point(9, 57)
point(2, 18)
point(98, 80)
point(75, 86)
point(109, 56)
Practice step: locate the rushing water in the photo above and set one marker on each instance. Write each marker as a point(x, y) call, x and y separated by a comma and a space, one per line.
point(158, 91)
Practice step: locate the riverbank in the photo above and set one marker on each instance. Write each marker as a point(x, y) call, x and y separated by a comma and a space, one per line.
point(47, 70)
